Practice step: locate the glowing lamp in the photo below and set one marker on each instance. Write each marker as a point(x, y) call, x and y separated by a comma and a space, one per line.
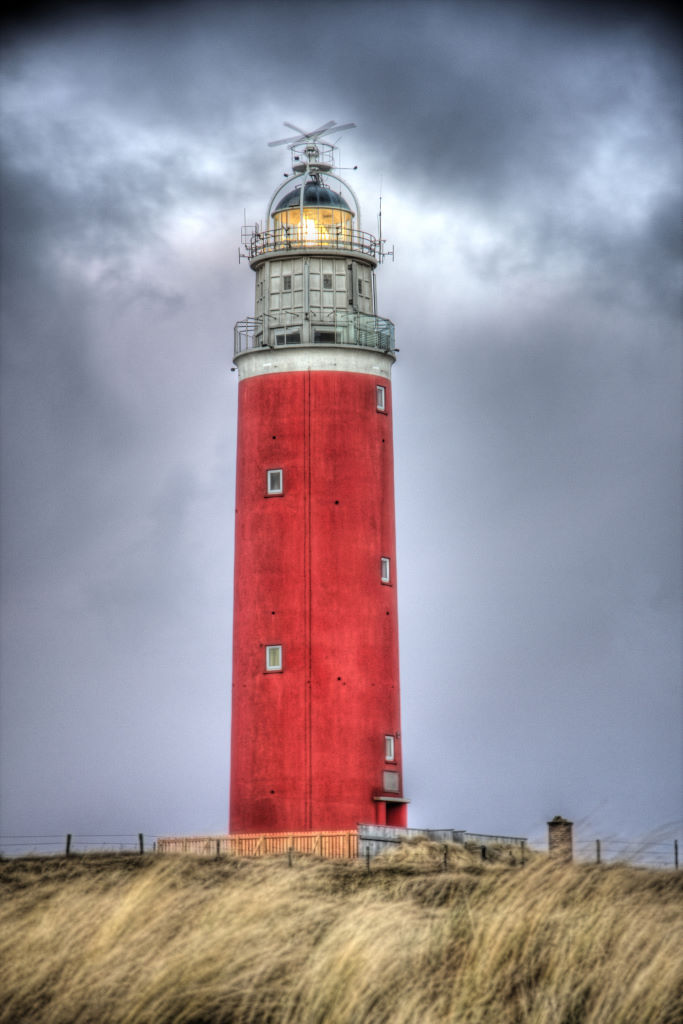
point(315, 216)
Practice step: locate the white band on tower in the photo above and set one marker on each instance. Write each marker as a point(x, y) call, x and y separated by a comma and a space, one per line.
point(290, 360)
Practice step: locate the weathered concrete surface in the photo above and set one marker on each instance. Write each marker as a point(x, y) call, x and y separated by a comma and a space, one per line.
point(374, 839)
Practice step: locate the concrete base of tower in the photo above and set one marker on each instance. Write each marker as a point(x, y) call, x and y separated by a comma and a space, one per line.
point(252, 813)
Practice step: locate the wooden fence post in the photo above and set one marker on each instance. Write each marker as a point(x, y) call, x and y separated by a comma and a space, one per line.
point(141, 841)
point(445, 857)
point(367, 860)
point(597, 851)
point(676, 854)
point(218, 849)
point(68, 844)
point(523, 850)
point(290, 851)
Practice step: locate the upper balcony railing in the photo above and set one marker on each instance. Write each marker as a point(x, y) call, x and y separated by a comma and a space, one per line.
point(338, 327)
point(310, 236)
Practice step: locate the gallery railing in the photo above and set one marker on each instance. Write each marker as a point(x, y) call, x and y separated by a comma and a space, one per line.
point(260, 243)
point(337, 327)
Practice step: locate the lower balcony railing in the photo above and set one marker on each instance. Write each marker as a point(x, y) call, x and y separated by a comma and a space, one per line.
point(337, 327)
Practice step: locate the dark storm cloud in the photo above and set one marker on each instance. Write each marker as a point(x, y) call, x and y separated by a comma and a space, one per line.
point(531, 174)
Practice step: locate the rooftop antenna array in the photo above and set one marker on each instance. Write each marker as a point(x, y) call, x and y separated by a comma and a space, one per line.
point(309, 153)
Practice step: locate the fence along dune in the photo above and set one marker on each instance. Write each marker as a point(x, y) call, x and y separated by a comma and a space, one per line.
point(190, 939)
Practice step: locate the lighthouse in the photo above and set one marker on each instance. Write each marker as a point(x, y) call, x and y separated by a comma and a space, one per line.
point(316, 730)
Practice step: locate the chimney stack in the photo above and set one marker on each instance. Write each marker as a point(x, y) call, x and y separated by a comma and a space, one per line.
point(560, 839)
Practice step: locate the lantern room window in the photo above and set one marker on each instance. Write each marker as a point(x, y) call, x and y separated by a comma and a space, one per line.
point(321, 218)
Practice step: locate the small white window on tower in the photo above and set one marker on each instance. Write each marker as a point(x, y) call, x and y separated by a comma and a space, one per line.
point(381, 398)
point(327, 281)
point(274, 481)
point(274, 658)
point(389, 750)
point(286, 282)
point(385, 570)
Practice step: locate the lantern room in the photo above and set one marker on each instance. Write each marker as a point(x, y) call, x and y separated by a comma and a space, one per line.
point(313, 215)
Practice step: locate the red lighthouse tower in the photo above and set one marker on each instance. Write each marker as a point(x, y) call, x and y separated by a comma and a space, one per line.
point(316, 733)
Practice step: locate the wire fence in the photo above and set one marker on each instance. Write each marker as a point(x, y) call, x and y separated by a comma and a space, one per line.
point(70, 842)
point(641, 853)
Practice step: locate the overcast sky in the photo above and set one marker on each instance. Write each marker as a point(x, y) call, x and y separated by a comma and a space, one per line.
point(529, 161)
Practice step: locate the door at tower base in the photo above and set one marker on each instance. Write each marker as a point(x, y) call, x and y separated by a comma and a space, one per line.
point(316, 734)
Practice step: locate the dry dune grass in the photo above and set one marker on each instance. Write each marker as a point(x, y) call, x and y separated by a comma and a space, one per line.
point(145, 939)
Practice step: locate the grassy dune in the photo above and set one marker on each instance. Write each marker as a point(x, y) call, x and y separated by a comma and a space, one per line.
point(105, 940)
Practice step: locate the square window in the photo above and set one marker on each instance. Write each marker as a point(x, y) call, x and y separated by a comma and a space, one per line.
point(385, 570)
point(327, 280)
point(274, 658)
point(389, 750)
point(391, 782)
point(274, 481)
point(381, 398)
point(286, 282)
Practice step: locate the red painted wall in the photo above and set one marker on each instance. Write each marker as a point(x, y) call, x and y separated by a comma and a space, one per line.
point(308, 742)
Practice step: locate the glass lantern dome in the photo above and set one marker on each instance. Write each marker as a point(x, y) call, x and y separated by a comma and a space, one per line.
point(316, 215)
